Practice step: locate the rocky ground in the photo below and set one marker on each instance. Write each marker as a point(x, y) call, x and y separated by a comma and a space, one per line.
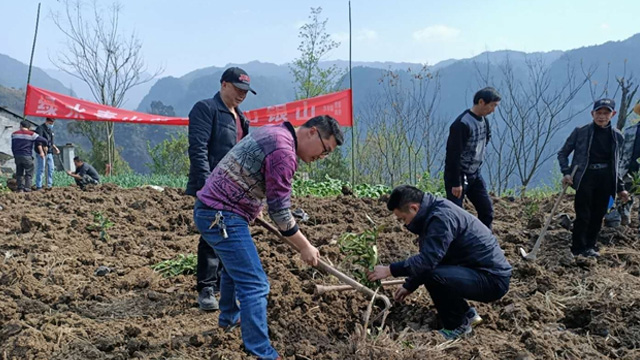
point(53, 304)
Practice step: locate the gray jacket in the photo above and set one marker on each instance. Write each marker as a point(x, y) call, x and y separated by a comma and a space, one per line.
point(579, 142)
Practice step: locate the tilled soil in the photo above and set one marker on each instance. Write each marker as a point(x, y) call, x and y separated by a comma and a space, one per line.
point(54, 306)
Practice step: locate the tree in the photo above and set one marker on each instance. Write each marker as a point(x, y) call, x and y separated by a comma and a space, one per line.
point(534, 107)
point(403, 137)
point(108, 62)
point(627, 93)
point(170, 157)
point(315, 43)
point(312, 80)
point(158, 108)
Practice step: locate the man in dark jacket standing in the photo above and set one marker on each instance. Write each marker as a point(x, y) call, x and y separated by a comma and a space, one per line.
point(46, 131)
point(596, 152)
point(215, 126)
point(22, 145)
point(468, 136)
point(459, 259)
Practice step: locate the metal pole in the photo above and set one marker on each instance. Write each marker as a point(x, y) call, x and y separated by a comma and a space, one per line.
point(33, 50)
point(353, 121)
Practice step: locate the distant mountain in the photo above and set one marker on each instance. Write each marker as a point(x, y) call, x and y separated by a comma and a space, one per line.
point(133, 97)
point(13, 74)
point(459, 79)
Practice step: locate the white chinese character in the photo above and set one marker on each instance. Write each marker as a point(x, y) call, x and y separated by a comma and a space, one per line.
point(277, 113)
point(305, 112)
point(46, 106)
point(106, 114)
point(75, 112)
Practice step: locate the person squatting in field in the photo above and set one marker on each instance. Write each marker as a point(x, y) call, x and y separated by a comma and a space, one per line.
point(459, 259)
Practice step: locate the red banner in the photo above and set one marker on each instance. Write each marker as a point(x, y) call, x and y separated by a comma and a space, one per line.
point(44, 103)
point(336, 105)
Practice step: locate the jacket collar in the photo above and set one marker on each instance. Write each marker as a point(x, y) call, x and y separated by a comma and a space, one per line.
point(292, 130)
point(416, 225)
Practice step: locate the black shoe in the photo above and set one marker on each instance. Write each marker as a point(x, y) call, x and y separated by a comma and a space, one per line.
point(590, 253)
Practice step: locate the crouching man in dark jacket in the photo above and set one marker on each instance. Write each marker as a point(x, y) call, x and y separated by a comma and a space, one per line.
point(596, 152)
point(459, 259)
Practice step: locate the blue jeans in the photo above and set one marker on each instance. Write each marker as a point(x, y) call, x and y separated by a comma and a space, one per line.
point(450, 287)
point(242, 278)
point(40, 170)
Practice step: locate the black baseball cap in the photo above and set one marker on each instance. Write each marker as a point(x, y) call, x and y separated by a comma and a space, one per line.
point(608, 103)
point(238, 77)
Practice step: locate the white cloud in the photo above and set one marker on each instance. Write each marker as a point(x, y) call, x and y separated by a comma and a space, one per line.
point(436, 33)
point(604, 26)
point(342, 37)
point(360, 35)
point(367, 34)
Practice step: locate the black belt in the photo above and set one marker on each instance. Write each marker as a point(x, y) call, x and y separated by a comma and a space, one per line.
point(597, 166)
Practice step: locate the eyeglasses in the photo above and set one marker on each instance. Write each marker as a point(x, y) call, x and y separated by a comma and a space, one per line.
point(325, 152)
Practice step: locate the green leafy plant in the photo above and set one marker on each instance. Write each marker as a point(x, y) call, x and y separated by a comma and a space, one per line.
point(101, 224)
point(361, 252)
point(180, 265)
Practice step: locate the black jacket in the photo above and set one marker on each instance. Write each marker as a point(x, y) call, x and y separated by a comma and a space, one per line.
point(44, 131)
point(448, 235)
point(579, 142)
point(212, 133)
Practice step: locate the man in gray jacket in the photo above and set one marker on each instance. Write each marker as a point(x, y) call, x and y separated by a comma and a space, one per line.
point(596, 151)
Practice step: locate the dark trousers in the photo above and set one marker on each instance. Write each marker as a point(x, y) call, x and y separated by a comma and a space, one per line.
point(591, 203)
point(209, 267)
point(451, 286)
point(86, 180)
point(476, 192)
point(24, 171)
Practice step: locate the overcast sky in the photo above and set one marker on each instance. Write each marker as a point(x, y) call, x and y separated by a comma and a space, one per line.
point(185, 35)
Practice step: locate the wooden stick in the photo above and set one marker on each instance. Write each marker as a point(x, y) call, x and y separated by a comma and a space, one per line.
point(321, 289)
point(322, 265)
point(536, 247)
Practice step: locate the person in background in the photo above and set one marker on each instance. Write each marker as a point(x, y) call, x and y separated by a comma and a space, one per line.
point(468, 137)
point(85, 174)
point(596, 151)
point(46, 131)
point(22, 145)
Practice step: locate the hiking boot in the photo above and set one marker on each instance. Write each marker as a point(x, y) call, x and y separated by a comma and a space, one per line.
point(461, 331)
point(207, 300)
point(472, 317)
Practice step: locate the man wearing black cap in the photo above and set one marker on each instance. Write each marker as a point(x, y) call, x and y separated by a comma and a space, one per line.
point(596, 151)
point(215, 126)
